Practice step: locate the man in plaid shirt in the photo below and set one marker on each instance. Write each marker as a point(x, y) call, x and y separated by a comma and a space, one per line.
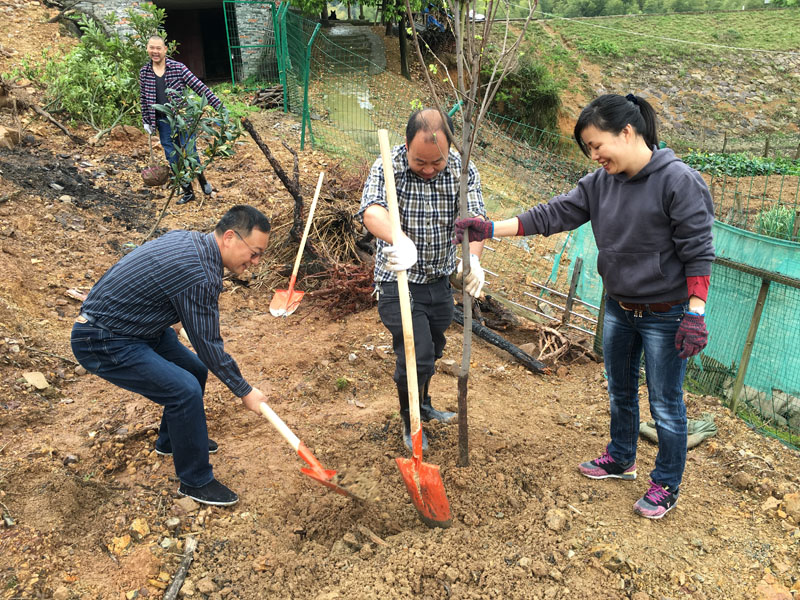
point(163, 80)
point(426, 175)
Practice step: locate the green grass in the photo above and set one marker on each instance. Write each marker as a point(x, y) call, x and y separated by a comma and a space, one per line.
point(765, 30)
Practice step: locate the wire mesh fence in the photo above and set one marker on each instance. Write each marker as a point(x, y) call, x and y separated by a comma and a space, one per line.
point(336, 80)
point(252, 47)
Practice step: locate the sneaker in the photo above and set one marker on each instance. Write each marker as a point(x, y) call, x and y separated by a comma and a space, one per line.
point(605, 467)
point(212, 448)
point(657, 502)
point(213, 493)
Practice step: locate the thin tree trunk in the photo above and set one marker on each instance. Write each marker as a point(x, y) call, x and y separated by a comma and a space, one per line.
point(403, 49)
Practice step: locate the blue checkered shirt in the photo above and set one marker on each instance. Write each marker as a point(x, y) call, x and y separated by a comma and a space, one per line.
point(428, 210)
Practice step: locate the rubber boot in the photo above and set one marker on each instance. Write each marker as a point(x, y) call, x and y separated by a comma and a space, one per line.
point(204, 185)
point(428, 413)
point(402, 395)
point(188, 194)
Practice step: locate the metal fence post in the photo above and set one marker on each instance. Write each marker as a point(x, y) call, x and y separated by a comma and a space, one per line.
point(306, 110)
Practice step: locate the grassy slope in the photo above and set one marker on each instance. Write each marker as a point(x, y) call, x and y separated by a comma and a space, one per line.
point(701, 92)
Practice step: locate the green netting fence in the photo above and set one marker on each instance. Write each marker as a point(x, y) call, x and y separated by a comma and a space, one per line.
point(338, 84)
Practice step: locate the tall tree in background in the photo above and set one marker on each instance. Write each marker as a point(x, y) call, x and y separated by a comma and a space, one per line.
point(475, 40)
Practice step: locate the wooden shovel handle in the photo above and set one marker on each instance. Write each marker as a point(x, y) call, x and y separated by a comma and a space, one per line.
point(278, 424)
point(305, 233)
point(402, 288)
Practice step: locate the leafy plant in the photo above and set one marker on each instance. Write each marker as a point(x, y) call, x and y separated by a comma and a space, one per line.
point(192, 119)
point(342, 383)
point(97, 82)
point(740, 165)
point(777, 222)
point(235, 99)
point(528, 94)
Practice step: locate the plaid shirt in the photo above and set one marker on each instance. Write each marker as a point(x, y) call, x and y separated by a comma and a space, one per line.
point(428, 210)
point(176, 77)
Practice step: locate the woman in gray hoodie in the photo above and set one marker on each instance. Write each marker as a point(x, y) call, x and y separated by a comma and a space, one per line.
point(651, 215)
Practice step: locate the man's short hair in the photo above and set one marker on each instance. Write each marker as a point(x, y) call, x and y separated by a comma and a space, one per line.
point(431, 124)
point(243, 218)
point(157, 37)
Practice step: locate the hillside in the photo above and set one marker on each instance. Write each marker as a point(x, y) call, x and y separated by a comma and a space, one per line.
point(89, 511)
point(738, 73)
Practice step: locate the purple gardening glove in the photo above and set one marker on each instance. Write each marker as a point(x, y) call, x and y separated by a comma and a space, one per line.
point(478, 229)
point(692, 335)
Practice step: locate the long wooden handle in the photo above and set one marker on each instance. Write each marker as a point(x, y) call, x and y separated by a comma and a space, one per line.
point(278, 424)
point(305, 231)
point(402, 289)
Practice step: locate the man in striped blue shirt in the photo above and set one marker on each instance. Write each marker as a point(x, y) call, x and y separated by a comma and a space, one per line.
point(124, 334)
point(427, 175)
point(163, 80)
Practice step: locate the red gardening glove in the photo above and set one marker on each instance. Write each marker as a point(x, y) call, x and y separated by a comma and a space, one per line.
point(692, 335)
point(478, 229)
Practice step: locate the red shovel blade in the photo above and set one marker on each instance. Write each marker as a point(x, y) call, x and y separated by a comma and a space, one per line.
point(326, 477)
point(424, 484)
point(285, 302)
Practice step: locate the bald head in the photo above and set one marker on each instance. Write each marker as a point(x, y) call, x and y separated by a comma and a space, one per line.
point(427, 122)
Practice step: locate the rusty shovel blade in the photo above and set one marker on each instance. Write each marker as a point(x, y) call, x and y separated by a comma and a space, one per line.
point(285, 302)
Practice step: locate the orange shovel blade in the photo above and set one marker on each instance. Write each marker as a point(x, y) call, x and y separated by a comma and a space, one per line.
point(424, 484)
point(326, 478)
point(285, 302)
point(316, 471)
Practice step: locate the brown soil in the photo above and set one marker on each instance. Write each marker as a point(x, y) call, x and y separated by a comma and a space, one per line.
point(79, 476)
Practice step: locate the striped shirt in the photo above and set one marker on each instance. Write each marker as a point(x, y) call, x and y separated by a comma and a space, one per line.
point(177, 277)
point(428, 210)
point(177, 76)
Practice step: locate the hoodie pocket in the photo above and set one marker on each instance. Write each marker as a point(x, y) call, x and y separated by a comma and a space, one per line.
point(631, 274)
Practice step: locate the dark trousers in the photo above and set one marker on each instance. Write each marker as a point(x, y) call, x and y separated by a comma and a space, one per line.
point(170, 141)
point(168, 373)
point(431, 314)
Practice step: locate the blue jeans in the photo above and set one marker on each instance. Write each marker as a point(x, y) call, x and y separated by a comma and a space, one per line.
point(431, 315)
point(625, 336)
point(168, 141)
point(168, 373)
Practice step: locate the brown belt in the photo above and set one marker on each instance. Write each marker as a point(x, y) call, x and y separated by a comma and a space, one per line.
point(653, 306)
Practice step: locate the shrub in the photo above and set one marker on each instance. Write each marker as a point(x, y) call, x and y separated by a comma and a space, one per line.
point(97, 81)
point(740, 165)
point(777, 222)
point(528, 94)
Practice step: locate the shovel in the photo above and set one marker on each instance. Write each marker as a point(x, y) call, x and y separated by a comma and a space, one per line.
point(314, 470)
point(285, 302)
point(423, 481)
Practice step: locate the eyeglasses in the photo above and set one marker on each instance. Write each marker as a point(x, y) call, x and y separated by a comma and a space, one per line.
point(255, 253)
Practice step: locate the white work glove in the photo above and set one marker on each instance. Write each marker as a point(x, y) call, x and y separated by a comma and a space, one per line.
point(148, 129)
point(476, 277)
point(402, 255)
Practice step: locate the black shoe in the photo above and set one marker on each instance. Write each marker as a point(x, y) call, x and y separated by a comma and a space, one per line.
point(406, 418)
point(187, 197)
point(188, 194)
point(428, 413)
point(212, 448)
point(204, 185)
point(213, 493)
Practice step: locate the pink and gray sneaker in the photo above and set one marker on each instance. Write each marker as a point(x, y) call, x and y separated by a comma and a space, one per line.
point(657, 502)
point(605, 467)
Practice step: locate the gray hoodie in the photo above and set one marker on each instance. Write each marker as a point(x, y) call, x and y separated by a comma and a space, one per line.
point(652, 230)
